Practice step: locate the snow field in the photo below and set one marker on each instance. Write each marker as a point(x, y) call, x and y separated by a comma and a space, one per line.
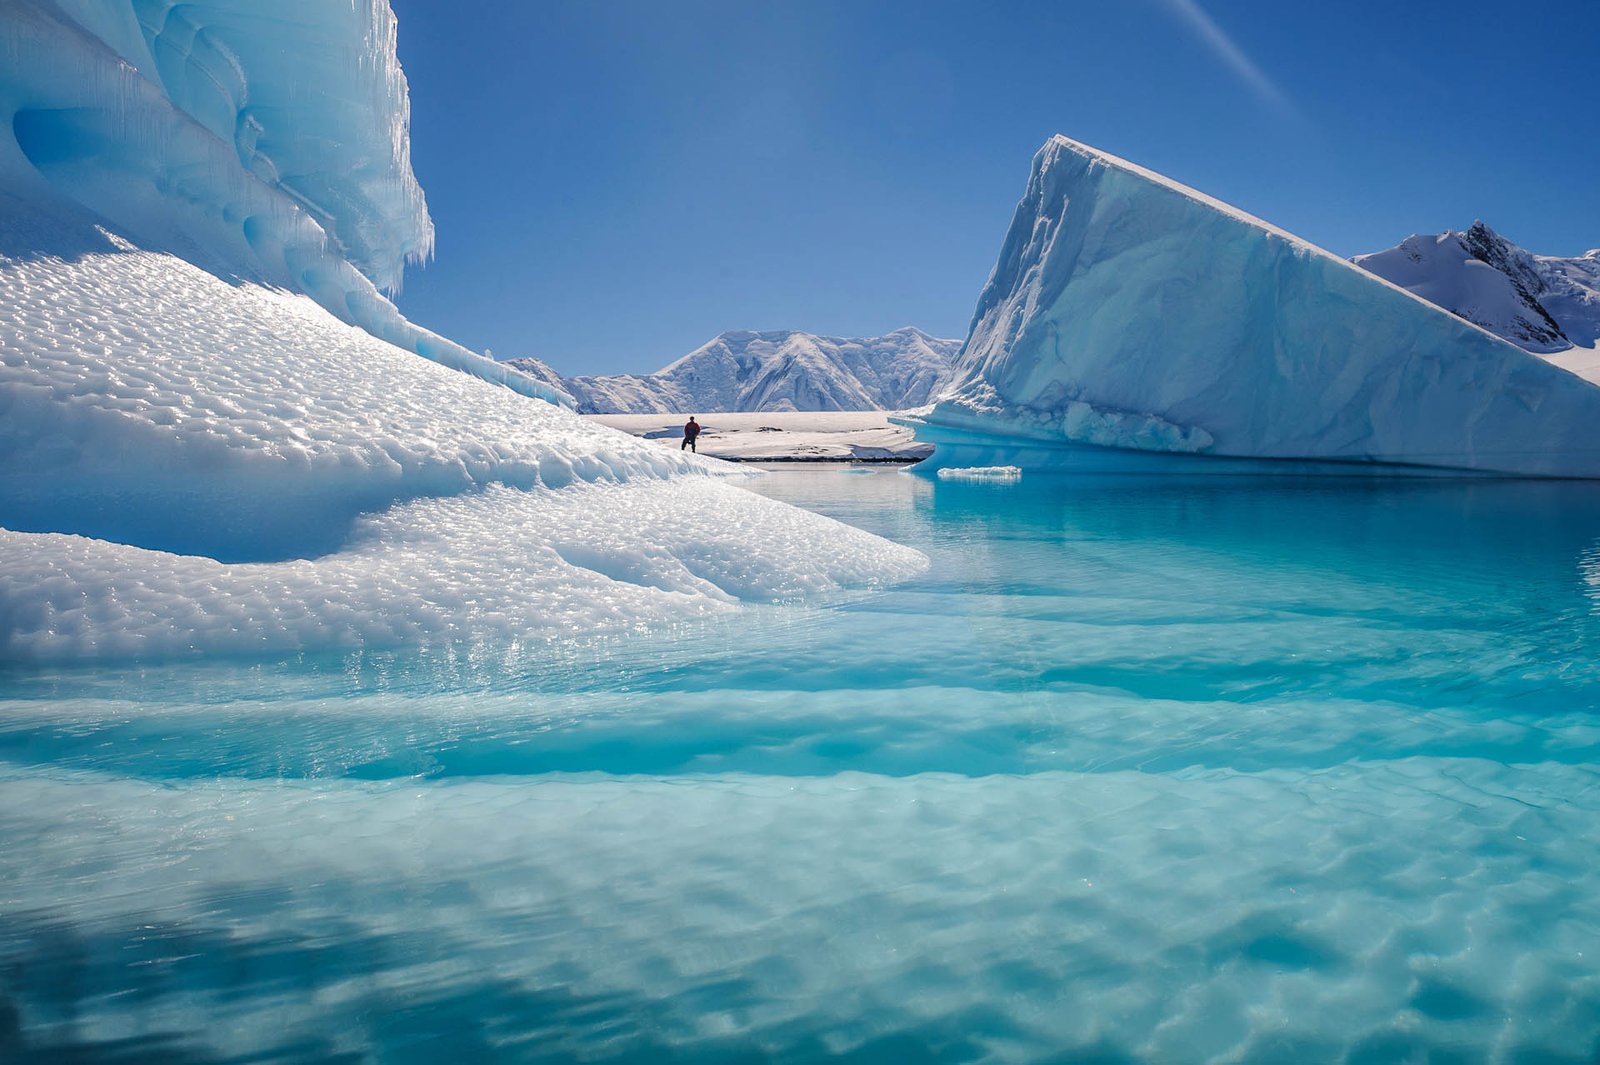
point(811, 436)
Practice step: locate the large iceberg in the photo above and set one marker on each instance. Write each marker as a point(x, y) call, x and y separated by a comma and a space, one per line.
point(1132, 322)
point(216, 434)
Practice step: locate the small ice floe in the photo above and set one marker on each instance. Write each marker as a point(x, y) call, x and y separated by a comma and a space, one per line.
point(987, 474)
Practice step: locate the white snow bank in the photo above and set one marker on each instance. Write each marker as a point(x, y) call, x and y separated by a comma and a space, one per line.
point(1130, 315)
point(782, 436)
point(271, 146)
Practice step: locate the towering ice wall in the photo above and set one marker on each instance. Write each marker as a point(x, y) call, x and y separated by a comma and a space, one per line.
point(1131, 319)
point(264, 141)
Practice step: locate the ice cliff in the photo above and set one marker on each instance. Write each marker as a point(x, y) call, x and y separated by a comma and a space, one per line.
point(267, 142)
point(215, 433)
point(782, 370)
point(1131, 320)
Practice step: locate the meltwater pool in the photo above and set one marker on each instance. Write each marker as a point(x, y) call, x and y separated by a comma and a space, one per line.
point(1143, 770)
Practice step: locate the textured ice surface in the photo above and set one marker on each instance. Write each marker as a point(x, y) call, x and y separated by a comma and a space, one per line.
point(501, 566)
point(266, 146)
point(234, 451)
point(1128, 313)
point(1140, 771)
point(310, 95)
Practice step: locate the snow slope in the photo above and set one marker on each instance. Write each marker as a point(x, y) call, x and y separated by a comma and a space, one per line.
point(776, 371)
point(267, 143)
point(1542, 303)
point(193, 460)
point(1130, 318)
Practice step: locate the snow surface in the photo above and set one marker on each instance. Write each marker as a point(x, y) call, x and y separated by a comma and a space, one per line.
point(782, 436)
point(1542, 303)
point(267, 146)
point(774, 371)
point(1131, 316)
point(194, 460)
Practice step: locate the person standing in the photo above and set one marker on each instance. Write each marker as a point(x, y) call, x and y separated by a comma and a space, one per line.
point(691, 432)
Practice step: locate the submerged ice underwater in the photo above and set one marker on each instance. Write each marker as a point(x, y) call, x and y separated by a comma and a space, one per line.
point(360, 702)
point(1141, 770)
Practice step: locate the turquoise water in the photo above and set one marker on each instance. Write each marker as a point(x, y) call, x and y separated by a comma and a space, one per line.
point(1143, 770)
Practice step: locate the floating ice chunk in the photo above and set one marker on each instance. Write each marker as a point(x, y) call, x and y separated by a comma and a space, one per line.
point(992, 474)
point(1129, 315)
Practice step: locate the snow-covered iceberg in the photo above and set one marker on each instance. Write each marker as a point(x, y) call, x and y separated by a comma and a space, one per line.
point(1131, 320)
point(215, 433)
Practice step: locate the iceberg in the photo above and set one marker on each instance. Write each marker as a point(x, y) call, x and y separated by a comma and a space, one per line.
point(215, 432)
point(1134, 323)
point(269, 145)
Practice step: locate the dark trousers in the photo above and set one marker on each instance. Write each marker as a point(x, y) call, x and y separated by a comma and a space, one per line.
point(688, 442)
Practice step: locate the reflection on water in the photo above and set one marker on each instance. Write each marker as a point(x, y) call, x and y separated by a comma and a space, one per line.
point(1143, 770)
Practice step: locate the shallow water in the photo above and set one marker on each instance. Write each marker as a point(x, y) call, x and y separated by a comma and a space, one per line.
point(1143, 770)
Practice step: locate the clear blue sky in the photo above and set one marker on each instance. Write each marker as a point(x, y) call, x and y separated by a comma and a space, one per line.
point(616, 181)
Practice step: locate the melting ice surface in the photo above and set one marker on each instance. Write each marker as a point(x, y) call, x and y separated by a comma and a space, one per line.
point(1140, 770)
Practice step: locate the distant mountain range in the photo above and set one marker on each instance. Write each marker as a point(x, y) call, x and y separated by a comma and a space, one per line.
point(1542, 303)
point(1545, 304)
point(772, 371)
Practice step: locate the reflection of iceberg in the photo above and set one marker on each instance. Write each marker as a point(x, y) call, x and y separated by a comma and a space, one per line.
point(1130, 319)
point(200, 449)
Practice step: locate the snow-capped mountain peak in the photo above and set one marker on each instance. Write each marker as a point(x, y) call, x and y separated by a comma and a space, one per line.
point(1542, 303)
point(776, 370)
